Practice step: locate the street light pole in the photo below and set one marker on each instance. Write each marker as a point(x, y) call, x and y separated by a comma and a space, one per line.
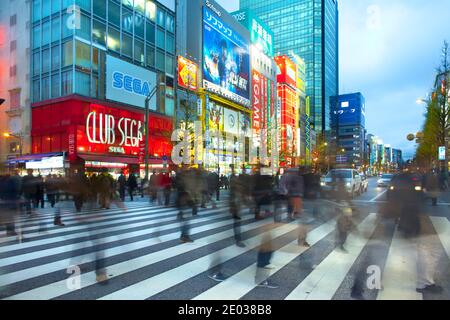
point(147, 103)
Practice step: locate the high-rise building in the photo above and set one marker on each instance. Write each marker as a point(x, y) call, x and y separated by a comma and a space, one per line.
point(348, 128)
point(93, 63)
point(15, 112)
point(308, 28)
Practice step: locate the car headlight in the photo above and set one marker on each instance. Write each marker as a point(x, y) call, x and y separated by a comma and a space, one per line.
point(418, 188)
point(391, 188)
point(380, 181)
point(348, 184)
point(322, 184)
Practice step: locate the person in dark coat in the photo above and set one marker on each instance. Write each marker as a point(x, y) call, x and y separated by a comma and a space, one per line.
point(262, 186)
point(10, 191)
point(122, 181)
point(29, 190)
point(430, 184)
point(52, 189)
point(132, 184)
point(79, 186)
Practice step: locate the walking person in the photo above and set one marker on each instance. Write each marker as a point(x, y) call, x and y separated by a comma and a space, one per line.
point(106, 188)
point(184, 201)
point(132, 185)
point(167, 187)
point(430, 183)
point(52, 189)
point(29, 190)
point(153, 187)
point(10, 191)
point(122, 182)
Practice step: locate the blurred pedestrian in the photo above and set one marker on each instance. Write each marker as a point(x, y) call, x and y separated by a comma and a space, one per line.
point(344, 225)
point(263, 267)
point(106, 188)
point(153, 186)
point(132, 185)
point(122, 182)
point(29, 190)
point(430, 184)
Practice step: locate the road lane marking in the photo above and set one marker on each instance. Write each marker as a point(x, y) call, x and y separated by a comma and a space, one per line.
point(379, 195)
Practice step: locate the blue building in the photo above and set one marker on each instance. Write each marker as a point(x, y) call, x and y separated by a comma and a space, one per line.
point(309, 29)
point(348, 127)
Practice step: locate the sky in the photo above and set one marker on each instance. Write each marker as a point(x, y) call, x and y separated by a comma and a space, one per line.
point(389, 51)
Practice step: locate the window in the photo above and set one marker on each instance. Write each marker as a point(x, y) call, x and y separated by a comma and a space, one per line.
point(150, 33)
point(100, 8)
point(13, 20)
point(150, 10)
point(150, 56)
point(160, 60)
point(83, 55)
point(67, 83)
point(99, 33)
point(36, 37)
point(139, 23)
point(13, 71)
point(56, 29)
point(67, 54)
point(114, 13)
point(36, 10)
point(45, 8)
point(13, 45)
point(170, 44)
point(160, 39)
point(127, 45)
point(139, 6)
point(169, 65)
point(14, 147)
point(127, 20)
point(85, 28)
point(66, 30)
point(45, 60)
point(161, 18)
point(170, 23)
point(36, 64)
point(56, 58)
point(113, 39)
point(55, 85)
point(46, 36)
point(139, 51)
point(56, 6)
point(84, 4)
point(82, 81)
point(14, 99)
point(45, 88)
point(128, 3)
point(36, 90)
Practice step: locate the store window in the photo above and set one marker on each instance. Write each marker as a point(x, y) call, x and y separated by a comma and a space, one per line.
point(150, 10)
point(83, 56)
point(99, 33)
point(99, 8)
point(67, 54)
point(113, 39)
point(114, 13)
point(127, 45)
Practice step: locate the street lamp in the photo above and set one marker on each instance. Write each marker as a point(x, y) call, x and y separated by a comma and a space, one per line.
point(147, 102)
point(10, 135)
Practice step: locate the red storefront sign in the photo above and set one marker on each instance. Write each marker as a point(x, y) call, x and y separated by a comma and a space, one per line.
point(83, 127)
point(257, 103)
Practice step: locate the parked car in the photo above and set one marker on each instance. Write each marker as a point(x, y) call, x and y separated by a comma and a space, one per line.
point(350, 177)
point(385, 180)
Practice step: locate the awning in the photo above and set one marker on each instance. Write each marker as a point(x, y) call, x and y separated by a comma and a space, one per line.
point(34, 157)
point(110, 159)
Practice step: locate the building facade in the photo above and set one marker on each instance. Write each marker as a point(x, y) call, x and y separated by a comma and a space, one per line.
point(309, 29)
point(15, 112)
point(348, 128)
point(102, 58)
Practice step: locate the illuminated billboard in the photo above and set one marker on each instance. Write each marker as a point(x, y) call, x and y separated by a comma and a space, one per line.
point(187, 73)
point(226, 60)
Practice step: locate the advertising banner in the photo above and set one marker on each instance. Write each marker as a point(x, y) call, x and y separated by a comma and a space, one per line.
point(226, 60)
point(215, 116)
point(231, 121)
point(128, 83)
point(187, 73)
point(442, 155)
point(256, 92)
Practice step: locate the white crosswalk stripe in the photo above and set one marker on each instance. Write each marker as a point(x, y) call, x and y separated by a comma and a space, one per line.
point(141, 247)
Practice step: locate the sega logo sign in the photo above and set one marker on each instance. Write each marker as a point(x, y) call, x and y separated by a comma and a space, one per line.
point(128, 83)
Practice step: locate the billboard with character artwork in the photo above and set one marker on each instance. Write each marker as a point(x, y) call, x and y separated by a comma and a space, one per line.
point(226, 60)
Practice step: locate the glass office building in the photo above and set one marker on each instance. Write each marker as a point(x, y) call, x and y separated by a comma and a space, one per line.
point(70, 44)
point(308, 28)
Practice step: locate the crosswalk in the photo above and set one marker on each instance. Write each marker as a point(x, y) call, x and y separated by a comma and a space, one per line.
point(144, 258)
